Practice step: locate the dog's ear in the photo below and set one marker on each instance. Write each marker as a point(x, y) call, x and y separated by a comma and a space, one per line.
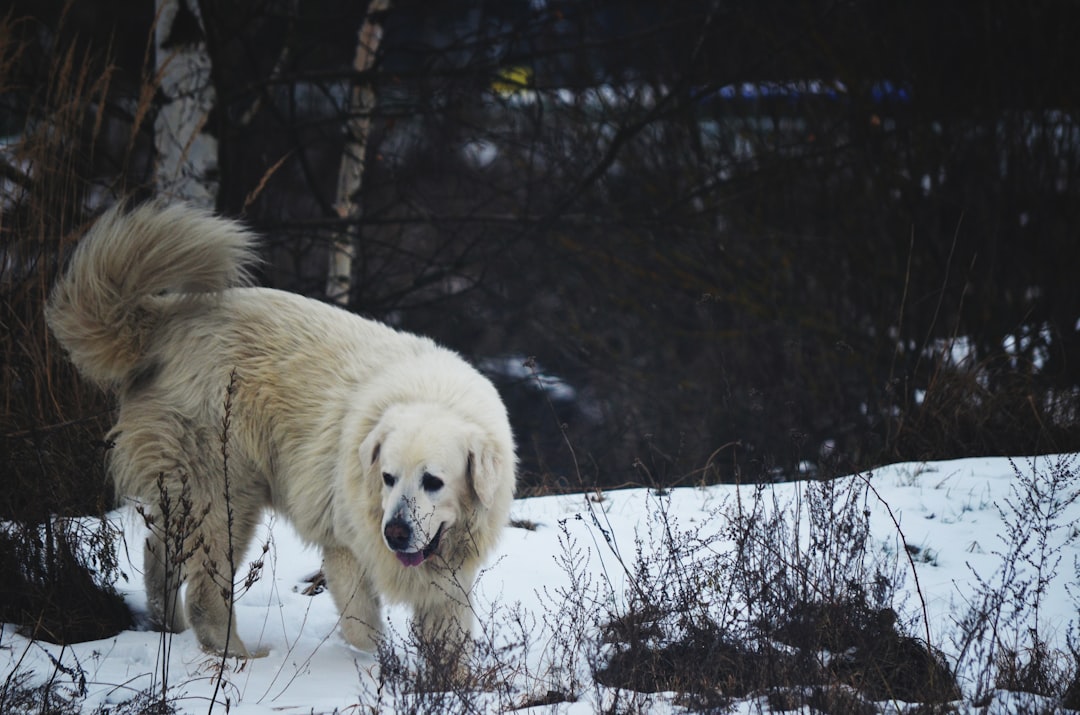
point(485, 467)
point(369, 449)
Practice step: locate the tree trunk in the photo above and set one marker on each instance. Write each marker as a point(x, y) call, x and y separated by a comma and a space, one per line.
point(351, 171)
point(186, 156)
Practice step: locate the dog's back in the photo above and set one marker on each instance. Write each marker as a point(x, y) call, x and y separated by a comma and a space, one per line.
point(134, 270)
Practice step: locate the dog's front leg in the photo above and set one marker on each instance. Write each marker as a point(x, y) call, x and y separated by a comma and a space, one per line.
point(444, 627)
point(355, 598)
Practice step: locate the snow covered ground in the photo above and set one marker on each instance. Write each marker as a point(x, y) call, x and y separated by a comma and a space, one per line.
point(957, 521)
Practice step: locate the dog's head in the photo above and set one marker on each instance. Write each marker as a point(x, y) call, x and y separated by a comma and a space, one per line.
point(431, 468)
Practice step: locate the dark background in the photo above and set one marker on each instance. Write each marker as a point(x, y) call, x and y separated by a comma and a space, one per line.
point(746, 241)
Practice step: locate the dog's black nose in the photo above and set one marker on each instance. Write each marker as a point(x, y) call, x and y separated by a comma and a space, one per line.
point(398, 534)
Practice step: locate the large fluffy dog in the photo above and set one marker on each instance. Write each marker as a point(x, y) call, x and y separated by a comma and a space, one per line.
point(388, 451)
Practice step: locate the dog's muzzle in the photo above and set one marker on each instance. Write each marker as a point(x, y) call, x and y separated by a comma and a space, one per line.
point(398, 535)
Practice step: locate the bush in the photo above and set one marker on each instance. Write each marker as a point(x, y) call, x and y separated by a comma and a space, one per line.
point(799, 604)
point(59, 573)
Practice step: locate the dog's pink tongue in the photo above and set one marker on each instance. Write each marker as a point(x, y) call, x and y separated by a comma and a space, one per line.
point(414, 559)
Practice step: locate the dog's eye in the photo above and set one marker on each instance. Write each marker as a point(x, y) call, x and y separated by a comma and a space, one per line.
point(431, 483)
point(389, 479)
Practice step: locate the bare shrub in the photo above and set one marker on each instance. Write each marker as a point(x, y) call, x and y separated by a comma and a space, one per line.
point(800, 599)
point(50, 421)
point(1001, 636)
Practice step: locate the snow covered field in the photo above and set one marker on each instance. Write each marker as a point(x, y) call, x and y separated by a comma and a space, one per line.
point(958, 521)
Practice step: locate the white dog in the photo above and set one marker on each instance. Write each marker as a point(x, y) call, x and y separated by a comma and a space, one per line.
point(389, 452)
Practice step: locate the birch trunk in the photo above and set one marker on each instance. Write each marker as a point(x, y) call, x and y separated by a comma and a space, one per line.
point(186, 156)
point(351, 171)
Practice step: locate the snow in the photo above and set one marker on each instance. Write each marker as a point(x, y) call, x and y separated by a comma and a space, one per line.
point(956, 519)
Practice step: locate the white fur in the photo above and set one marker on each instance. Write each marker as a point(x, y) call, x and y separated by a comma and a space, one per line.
point(339, 423)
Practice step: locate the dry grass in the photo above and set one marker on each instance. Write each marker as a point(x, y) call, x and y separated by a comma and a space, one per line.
point(58, 575)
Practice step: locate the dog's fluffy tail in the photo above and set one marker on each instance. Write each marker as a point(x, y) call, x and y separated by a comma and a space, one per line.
point(135, 270)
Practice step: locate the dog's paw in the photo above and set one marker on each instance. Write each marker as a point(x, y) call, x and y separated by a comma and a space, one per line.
point(260, 652)
point(240, 651)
